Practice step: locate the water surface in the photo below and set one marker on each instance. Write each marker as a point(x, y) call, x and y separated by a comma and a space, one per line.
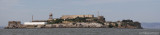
point(79, 31)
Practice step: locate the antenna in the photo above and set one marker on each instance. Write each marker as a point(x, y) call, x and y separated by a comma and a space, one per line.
point(32, 17)
point(97, 13)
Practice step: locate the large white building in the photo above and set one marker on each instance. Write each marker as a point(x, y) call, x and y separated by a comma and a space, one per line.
point(35, 23)
point(75, 16)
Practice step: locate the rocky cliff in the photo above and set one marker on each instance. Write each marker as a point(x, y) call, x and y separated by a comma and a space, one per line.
point(125, 24)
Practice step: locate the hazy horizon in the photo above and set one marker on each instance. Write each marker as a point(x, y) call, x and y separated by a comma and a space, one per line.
point(144, 11)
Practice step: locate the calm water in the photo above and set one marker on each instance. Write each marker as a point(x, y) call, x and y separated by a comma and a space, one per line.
point(80, 31)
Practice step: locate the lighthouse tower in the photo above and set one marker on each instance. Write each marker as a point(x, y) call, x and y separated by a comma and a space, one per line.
point(50, 16)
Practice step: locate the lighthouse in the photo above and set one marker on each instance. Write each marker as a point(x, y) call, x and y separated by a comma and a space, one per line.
point(50, 16)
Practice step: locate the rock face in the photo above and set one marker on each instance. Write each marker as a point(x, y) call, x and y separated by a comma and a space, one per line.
point(125, 24)
point(131, 24)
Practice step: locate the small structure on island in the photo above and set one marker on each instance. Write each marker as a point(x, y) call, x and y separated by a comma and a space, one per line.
point(14, 24)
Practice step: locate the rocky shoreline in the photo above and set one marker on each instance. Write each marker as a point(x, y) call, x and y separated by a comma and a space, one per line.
point(120, 24)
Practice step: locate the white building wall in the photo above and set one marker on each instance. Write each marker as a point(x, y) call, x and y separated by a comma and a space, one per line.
point(35, 23)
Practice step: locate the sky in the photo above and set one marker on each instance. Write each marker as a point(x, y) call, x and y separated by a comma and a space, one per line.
point(113, 10)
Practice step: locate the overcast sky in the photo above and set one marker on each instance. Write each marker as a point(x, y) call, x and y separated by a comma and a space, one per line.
point(22, 10)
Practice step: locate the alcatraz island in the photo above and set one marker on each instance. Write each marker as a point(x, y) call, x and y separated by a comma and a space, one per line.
point(75, 21)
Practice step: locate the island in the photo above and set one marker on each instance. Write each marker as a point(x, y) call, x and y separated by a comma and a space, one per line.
point(75, 21)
